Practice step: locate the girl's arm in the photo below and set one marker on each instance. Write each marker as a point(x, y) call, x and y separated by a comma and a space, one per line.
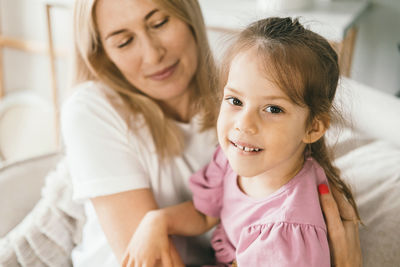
point(184, 219)
point(150, 243)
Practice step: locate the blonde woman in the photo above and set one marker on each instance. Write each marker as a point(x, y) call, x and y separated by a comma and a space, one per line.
point(141, 120)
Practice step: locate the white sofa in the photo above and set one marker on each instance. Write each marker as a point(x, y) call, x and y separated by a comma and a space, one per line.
point(367, 152)
point(20, 187)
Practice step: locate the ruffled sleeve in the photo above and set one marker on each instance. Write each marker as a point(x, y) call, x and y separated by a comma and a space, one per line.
point(284, 245)
point(207, 185)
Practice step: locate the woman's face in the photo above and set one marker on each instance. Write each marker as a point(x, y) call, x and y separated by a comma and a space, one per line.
point(155, 51)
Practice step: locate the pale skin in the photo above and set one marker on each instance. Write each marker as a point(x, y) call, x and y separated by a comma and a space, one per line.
point(140, 39)
point(251, 109)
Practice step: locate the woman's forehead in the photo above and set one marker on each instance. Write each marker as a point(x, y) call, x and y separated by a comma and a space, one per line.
point(114, 14)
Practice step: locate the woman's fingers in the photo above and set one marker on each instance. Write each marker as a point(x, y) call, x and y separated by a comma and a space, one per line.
point(343, 235)
point(175, 258)
point(125, 259)
point(166, 260)
point(330, 209)
point(346, 210)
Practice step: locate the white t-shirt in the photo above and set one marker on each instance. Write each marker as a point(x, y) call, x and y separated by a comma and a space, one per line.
point(105, 157)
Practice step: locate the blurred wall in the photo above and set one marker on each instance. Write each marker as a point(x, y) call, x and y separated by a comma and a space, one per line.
point(376, 59)
point(26, 19)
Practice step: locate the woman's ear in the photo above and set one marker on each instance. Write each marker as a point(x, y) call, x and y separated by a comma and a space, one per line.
point(316, 130)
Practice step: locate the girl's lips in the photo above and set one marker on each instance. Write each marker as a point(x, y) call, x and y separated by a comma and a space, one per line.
point(246, 147)
point(165, 73)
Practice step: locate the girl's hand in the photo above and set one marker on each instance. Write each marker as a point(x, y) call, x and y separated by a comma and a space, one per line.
point(342, 224)
point(150, 244)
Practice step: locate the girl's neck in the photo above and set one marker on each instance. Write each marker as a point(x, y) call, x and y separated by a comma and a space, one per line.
point(265, 184)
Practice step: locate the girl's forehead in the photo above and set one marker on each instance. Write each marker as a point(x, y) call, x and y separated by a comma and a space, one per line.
point(250, 62)
point(250, 73)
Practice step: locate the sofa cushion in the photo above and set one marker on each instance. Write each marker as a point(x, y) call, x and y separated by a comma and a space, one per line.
point(20, 185)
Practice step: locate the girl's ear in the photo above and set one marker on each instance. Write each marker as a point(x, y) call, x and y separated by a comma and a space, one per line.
point(316, 130)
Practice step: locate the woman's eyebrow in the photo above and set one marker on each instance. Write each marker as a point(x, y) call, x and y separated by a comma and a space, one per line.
point(114, 33)
point(151, 13)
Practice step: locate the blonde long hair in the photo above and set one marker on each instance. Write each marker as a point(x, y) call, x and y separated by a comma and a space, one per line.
point(92, 63)
point(305, 67)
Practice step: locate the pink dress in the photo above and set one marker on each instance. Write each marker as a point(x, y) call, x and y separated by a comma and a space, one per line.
point(285, 229)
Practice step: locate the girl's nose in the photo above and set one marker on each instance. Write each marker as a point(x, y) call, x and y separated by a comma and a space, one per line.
point(247, 123)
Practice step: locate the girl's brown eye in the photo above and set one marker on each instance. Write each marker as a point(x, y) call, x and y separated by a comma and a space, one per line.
point(274, 109)
point(234, 101)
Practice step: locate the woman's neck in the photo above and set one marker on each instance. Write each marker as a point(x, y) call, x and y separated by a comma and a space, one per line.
point(178, 108)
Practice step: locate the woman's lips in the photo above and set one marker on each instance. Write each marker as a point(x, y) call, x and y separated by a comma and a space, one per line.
point(165, 73)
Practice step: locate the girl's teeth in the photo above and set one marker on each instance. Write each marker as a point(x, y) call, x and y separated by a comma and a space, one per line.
point(247, 149)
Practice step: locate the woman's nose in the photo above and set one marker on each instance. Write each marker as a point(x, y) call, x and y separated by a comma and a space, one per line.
point(246, 123)
point(153, 50)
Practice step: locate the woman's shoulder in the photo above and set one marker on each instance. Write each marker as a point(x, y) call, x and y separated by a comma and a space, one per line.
point(90, 93)
point(92, 105)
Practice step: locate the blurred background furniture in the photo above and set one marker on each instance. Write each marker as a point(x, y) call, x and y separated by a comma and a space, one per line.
point(22, 113)
point(29, 122)
point(20, 186)
point(335, 20)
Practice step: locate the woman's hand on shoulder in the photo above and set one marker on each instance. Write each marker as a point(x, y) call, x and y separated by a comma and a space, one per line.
point(150, 245)
point(342, 224)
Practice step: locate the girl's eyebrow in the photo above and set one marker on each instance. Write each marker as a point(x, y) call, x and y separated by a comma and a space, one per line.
point(275, 97)
point(232, 90)
point(270, 97)
point(148, 16)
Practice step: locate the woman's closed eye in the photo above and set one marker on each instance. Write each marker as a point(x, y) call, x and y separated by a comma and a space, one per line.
point(234, 101)
point(159, 24)
point(125, 42)
point(273, 109)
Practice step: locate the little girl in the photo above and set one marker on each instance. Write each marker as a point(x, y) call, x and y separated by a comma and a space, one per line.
point(279, 80)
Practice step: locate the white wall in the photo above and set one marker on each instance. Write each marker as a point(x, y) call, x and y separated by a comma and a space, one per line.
point(26, 19)
point(376, 57)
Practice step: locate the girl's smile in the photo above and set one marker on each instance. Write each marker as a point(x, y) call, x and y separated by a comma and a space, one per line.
point(246, 148)
point(261, 131)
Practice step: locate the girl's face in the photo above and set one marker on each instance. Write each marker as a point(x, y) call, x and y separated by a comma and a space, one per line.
point(261, 131)
point(155, 51)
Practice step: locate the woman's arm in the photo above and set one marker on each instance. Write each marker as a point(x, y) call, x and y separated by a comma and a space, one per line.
point(150, 242)
point(120, 214)
point(342, 224)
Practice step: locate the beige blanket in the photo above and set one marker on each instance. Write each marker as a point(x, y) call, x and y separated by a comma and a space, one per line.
point(48, 234)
